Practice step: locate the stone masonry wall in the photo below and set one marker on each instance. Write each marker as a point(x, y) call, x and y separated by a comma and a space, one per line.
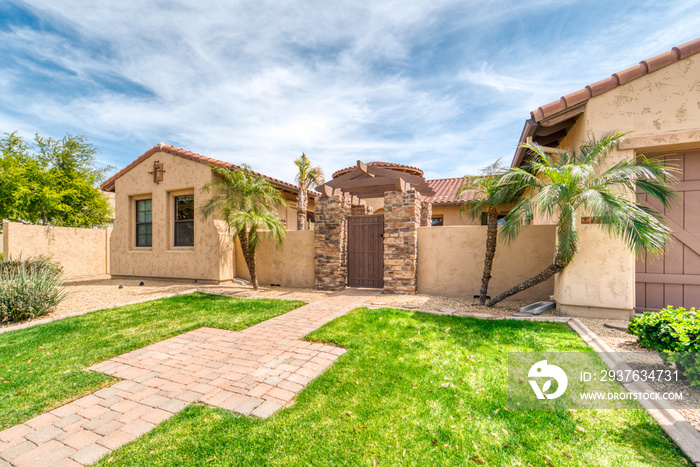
point(359, 210)
point(426, 214)
point(402, 214)
point(330, 242)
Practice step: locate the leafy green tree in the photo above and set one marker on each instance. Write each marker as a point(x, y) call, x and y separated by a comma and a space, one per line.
point(490, 196)
point(247, 204)
point(566, 184)
point(52, 182)
point(306, 177)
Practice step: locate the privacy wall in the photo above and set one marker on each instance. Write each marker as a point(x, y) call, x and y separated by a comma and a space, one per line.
point(451, 261)
point(81, 252)
point(291, 265)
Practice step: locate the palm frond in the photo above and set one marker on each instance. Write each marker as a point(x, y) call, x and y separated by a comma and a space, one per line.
point(568, 181)
point(516, 220)
point(494, 187)
point(244, 201)
point(596, 151)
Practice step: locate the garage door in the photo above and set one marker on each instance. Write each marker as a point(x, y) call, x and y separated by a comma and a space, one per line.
point(674, 278)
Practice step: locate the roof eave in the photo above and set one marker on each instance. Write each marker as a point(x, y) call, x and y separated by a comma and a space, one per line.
point(573, 104)
point(109, 184)
point(528, 132)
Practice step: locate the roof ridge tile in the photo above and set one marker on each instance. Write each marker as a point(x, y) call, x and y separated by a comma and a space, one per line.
point(621, 77)
point(688, 48)
point(108, 185)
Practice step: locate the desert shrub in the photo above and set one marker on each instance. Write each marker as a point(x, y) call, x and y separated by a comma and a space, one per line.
point(29, 288)
point(674, 332)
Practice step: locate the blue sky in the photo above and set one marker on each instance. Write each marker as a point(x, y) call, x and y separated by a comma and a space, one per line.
point(443, 85)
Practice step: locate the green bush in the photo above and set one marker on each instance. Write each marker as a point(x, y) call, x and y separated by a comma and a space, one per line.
point(674, 332)
point(32, 265)
point(29, 288)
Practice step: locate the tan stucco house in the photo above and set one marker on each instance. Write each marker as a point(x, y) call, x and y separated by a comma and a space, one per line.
point(658, 101)
point(158, 231)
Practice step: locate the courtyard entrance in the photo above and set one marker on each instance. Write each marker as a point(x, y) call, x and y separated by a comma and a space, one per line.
point(366, 251)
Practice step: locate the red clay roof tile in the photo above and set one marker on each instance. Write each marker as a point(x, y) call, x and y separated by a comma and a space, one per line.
point(621, 77)
point(661, 60)
point(537, 114)
point(631, 73)
point(604, 85)
point(688, 49)
point(577, 97)
point(108, 185)
point(553, 107)
point(446, 191)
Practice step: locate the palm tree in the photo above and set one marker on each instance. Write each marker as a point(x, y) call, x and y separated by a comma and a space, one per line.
point(246, 203)
point(490, 196)
point(565, 184)
point(306, 177)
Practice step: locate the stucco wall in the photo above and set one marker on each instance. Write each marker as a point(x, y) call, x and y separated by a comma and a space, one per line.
point(81, 252)
point(292, 265)
point(211, 257)
point(451, 261)
point(453, 216)
point(600, 280)
point(662, 110)
point(666, 100)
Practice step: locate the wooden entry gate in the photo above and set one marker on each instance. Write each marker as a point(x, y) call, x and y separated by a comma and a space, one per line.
point(674, 278)
point(366, 251)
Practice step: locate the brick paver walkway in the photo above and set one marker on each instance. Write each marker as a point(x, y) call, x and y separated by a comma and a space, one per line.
point(256, 371)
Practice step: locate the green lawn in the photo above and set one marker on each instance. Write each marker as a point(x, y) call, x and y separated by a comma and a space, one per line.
point(42, 367)
point(413, 389)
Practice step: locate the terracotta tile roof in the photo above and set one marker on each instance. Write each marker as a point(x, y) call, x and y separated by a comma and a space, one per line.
point(446, 191)
point(389, 165)
point(109, 184)
point(621, 77)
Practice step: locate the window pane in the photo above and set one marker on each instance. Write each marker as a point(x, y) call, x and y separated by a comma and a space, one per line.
point(436, 221)
point(144, 229)
point(184, 233)
point(143, 235)
point(143, 210)
point(143, 222)
point(184, 207)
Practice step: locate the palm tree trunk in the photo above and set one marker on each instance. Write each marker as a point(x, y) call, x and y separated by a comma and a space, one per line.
point(491, 242)
point(250, 261)
point(301, 209)
point(249, 257)
point(557, 266)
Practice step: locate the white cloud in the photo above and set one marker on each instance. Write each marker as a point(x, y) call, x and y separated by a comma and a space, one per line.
point(436, 84)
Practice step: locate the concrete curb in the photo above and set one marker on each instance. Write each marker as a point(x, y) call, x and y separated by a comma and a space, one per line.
point(672, 422)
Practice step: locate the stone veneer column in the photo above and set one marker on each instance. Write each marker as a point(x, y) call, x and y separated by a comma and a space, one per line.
point(402, 211)
point(330, 242)
point(426, 214)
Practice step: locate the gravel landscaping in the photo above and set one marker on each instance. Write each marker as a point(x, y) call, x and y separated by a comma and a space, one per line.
point(91, 295)
point(84, 296)
point(452, 306)
point(637, 357)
